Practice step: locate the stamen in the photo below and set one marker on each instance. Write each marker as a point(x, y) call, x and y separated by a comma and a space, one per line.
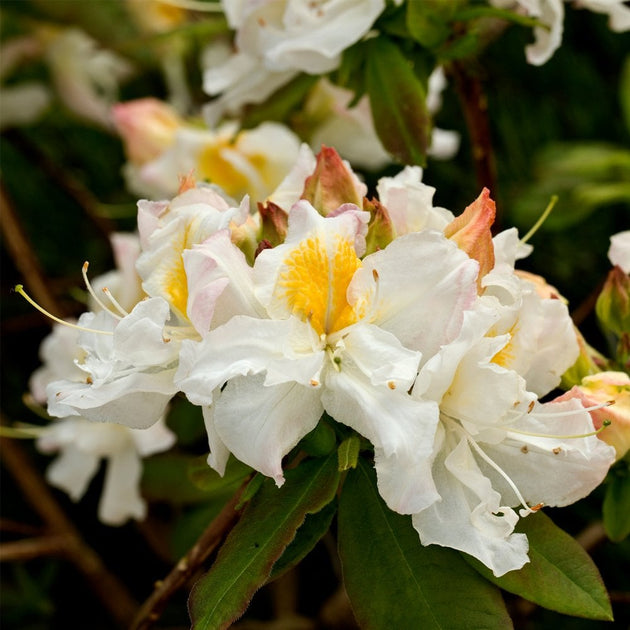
point(84, 269)
point(24, 432)
point(115, 302)
point(605, 423)
point(20, 289)
point(541, 220)
point(526, 509)
point(195, 5)
point(560, 414)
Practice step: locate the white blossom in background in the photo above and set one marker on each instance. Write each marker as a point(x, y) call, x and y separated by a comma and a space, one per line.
point(551, 14)
point(81, 444)
point(25, 102)
point(86, 77)
point(277, 39)
point(619, 250)
point(162, 146)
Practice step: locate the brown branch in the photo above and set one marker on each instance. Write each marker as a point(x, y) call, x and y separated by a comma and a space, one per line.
point(112, 593)
point(29, 548)
point(23, 256)
point(475, 107)
point(74, 188)
point(211, 538)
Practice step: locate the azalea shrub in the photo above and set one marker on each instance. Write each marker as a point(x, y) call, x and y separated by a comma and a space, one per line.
point(299, 363)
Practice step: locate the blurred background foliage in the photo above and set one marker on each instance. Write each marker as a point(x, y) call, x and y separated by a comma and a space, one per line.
point(560, 129)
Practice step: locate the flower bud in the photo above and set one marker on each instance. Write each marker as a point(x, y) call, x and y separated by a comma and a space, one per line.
point(603, 387)
point(613, 303)
point(147, 127)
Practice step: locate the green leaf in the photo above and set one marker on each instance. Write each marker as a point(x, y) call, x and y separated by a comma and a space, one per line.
point(393, 581)
point(165, 477)
point(209, 480)
point(616, 510)
point(348, 453)
point(398, 101)
point(265, 529)
point(280, 104)
point(560, 575)
point(428, 21)
point(624, 92)
point(309, 534)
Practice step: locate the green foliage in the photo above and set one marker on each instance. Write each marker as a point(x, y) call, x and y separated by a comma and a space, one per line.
point(398, 100)
point(616, 508)
point(395, 582)
point(265, 529)
point(560, 575)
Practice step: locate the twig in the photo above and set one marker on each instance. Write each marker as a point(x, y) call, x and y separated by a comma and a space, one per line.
point(592, 536)
point(112, 593)
point(74, 188)
point(29, 548)
point(152, 608)
point(475, 106)
point(22, 254)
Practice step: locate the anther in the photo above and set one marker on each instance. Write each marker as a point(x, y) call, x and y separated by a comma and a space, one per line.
point(391, 384)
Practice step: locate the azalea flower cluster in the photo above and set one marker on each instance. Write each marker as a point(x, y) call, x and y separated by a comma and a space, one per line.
point(394, 317)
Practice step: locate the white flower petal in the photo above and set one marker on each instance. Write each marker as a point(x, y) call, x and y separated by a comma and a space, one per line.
point(260, 424)
point(121, 498)
point(72, 471)
point(469, 517)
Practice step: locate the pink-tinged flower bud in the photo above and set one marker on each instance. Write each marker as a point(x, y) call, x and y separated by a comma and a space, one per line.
point(471, 231)
point(613, 303)
point(147, 127)
point(332, 184)
point(600, 388)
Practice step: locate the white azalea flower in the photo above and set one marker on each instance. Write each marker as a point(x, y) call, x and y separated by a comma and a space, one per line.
point(338, 334)
point(86, 78)
point(127, 367)
point(82, 444)
point(167, 229)
point(551, 14)
point(275, 39)
point(409, 202)
point(497, 447)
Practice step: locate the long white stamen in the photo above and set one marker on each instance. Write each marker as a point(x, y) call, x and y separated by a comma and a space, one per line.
point(541, 220)
point(569, 412)
point(605, 424)
point(84, 269)
point(115, 302)
point(20, 289)
point(503, 474)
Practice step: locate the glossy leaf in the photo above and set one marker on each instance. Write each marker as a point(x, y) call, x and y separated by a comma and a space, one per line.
point(398, 101)
point(309, 534)
point(395, 582)
point(267, 526)
point(560, 575)
point(617, 503)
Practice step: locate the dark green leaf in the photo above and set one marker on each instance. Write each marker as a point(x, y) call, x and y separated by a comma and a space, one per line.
point(560, 575)
point(209, 480)
point(315, 526)
point(320, 441)
point(398, 101)
point(393, 581)
point(617, 503)
point(267, 526)
point(165, 477)
point(280, 104)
